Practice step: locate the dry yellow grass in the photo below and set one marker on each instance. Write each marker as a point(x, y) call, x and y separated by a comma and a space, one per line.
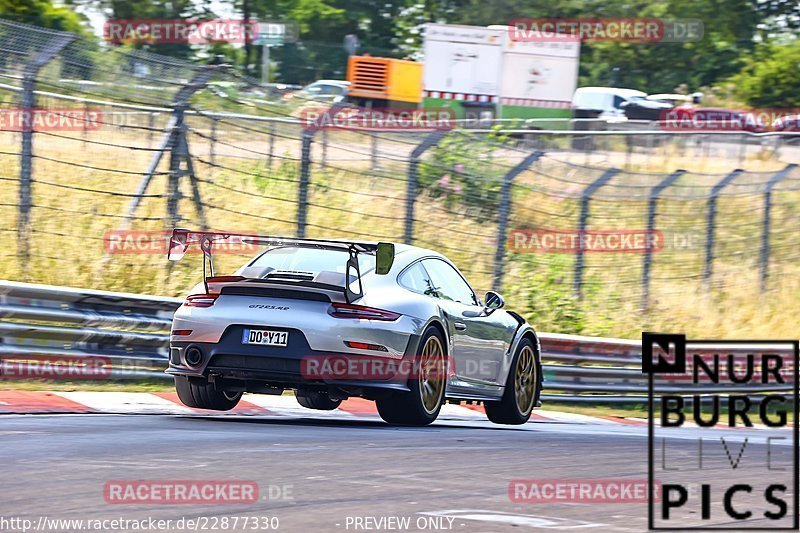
point(345, 199)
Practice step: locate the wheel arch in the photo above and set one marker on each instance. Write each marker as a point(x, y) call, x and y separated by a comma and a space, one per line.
point(526, 331)
point(436, 323)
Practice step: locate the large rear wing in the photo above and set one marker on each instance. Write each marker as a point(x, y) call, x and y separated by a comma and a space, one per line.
point(182, 239)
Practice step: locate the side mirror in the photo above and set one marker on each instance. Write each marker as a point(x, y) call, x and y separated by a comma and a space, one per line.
point(384, 257)
point(493, 301)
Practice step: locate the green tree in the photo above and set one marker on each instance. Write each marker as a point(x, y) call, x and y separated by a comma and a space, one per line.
point(771, 78)
point(152, 9)
point(43, 13)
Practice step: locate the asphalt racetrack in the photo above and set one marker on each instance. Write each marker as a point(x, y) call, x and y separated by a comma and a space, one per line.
point(324, 474)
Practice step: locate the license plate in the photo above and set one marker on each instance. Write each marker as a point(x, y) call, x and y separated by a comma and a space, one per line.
point(265, 337)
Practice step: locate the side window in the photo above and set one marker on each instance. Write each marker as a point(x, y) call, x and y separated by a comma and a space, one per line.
point(417, 280)
point(618, 100)
point(448, 282)
point(330, 89)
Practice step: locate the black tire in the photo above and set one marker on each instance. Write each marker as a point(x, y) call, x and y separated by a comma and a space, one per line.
point(523, 386)
point(203, 395)
point(316, 400)
point(421, 405)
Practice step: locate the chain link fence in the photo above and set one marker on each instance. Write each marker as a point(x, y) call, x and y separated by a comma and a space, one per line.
point(558, 217)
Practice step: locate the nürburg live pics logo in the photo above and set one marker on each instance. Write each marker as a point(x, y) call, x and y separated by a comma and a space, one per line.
point(723, 433)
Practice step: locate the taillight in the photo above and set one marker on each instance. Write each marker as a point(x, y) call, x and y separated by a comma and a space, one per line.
point(338, 310)
point(224, 279)
point(201, 300)
point(365, 346)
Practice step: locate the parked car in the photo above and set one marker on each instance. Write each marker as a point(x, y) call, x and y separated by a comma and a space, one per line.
point(670, 98)
point(279, 90)
point(330, 91)
point(603, 102)
point(403, 318)
point(645, 109)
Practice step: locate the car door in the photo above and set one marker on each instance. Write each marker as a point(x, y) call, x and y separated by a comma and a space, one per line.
point(480, 341)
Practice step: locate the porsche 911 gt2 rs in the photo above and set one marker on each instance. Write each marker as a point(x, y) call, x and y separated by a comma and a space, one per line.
point(332, 319)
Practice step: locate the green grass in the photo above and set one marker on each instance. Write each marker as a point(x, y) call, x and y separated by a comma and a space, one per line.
point(348, 200)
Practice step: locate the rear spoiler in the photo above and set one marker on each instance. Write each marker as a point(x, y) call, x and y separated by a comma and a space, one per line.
point(182, 239)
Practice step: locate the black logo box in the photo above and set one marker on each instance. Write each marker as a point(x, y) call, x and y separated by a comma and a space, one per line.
point(663, 366)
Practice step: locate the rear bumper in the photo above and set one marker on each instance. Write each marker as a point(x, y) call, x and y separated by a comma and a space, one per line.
point(293, 366)
point(322, 331)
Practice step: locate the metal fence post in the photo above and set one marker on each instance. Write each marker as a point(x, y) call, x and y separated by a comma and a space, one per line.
point(271, 144)
point(324, 147)
point(305, 178)
point(712, 216)
point(213, 142)
point(28, 101)
point(505, 210)
point(176, 155)
point(742, 148)
point(586, 196)
point(651, 225)
point(764, 255)
point(151, 126)
point(413, 178)
point(171, 142)
point(85, 135)
point(373, 151)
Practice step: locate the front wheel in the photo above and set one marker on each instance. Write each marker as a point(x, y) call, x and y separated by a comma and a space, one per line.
point(203, 395)
point(421, 405)
point(522, 388)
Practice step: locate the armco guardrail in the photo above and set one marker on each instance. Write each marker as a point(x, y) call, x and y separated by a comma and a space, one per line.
point(131, 332)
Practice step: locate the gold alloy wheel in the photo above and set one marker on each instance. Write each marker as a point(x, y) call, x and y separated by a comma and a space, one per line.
point(525, 380)
point(431, 374)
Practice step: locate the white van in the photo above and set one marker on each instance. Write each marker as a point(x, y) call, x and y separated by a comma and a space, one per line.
point(607, 100)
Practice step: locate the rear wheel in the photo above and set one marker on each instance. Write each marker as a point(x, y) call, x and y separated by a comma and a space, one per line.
point(522, 388)
point(203, 395)
point(421, 405)
point(316, 400)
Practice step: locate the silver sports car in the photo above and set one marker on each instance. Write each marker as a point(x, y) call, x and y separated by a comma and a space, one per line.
point(331, 319)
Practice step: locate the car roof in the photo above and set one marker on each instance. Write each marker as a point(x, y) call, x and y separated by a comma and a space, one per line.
point(399, 248)
point(610, 90)
point(332, 82)
point(669, 96)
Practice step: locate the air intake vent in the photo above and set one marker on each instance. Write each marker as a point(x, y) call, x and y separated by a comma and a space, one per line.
point(371, 76)
point(290, 275)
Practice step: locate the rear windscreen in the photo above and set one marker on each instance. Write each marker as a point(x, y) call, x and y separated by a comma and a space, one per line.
point(310, 260)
